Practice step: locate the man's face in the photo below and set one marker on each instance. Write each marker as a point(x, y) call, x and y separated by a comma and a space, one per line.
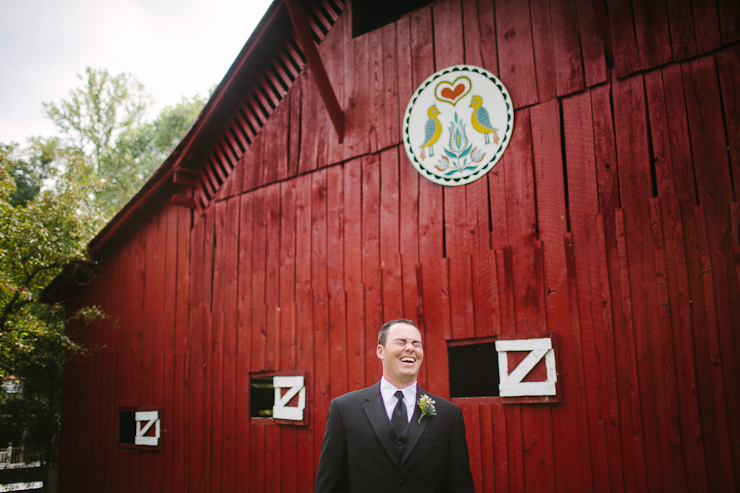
point(401, 355)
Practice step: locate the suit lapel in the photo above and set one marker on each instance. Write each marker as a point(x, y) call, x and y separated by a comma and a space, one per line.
point(375, 410)
point(416, 429)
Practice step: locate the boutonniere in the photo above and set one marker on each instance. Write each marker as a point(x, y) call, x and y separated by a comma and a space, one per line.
point(426, 404)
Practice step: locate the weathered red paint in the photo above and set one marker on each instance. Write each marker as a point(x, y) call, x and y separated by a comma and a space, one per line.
point(611, 222)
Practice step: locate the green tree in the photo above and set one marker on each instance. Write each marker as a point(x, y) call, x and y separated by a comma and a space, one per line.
point(102, 108)
point(37, 240)
point(103, 121)
point(31, 170)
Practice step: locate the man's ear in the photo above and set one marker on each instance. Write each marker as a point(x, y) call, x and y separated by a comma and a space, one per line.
point(379, 351)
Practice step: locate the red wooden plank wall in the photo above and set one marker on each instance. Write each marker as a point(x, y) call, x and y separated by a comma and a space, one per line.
point(611, 221)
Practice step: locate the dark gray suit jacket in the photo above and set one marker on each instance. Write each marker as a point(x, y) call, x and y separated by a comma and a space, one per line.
point(358, 454)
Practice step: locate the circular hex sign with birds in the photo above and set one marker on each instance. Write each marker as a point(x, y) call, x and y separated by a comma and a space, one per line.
point(458, 124)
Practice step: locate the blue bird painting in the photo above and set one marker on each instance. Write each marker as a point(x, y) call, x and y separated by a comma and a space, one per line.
point(432, 131)
point(480, 120)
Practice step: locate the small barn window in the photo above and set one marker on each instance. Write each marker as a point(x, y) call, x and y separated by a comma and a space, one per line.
point(473, 369)
point(281, 397)
point(261, 397)
point(368, 15)
point(515, 369)
point(139, 428)
point(126, 426)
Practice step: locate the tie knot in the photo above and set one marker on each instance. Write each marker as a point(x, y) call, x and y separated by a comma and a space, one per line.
point(399, 395)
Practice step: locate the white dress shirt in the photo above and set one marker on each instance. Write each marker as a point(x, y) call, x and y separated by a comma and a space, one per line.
point(388, 394)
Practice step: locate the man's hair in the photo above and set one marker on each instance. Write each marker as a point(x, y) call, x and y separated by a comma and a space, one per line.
point(386, 327)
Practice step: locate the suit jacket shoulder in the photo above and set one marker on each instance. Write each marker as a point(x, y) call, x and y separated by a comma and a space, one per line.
point(358, 396)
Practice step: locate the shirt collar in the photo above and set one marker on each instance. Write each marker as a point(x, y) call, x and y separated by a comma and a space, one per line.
point(388, 391)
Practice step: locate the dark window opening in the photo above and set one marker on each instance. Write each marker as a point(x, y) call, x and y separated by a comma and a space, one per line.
point(368, 15)
point(473, 370)
point(126, 427)
point(261, 397)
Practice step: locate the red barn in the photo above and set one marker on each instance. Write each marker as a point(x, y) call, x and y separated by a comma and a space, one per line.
point(250, 275)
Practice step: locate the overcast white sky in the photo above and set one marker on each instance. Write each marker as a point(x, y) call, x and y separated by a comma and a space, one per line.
point(175, 48)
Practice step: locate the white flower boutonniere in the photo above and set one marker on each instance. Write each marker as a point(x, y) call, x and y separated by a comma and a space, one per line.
point(426, 404)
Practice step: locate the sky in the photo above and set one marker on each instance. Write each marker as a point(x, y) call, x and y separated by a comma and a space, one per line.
point(175, 48)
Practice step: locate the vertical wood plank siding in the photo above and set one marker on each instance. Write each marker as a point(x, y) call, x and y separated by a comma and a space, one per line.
point(612, 222)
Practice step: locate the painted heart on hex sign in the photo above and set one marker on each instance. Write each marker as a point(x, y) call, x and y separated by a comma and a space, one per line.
point(452, 92)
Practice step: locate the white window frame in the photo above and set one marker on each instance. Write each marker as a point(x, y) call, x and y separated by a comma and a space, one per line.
point(296, 386)
point(144, 422)
point(511, 384)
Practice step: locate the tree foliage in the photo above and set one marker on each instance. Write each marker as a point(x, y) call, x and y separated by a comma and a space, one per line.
point(37, 239)
point(102, 122)
point(98, 111)
point(29, 173)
